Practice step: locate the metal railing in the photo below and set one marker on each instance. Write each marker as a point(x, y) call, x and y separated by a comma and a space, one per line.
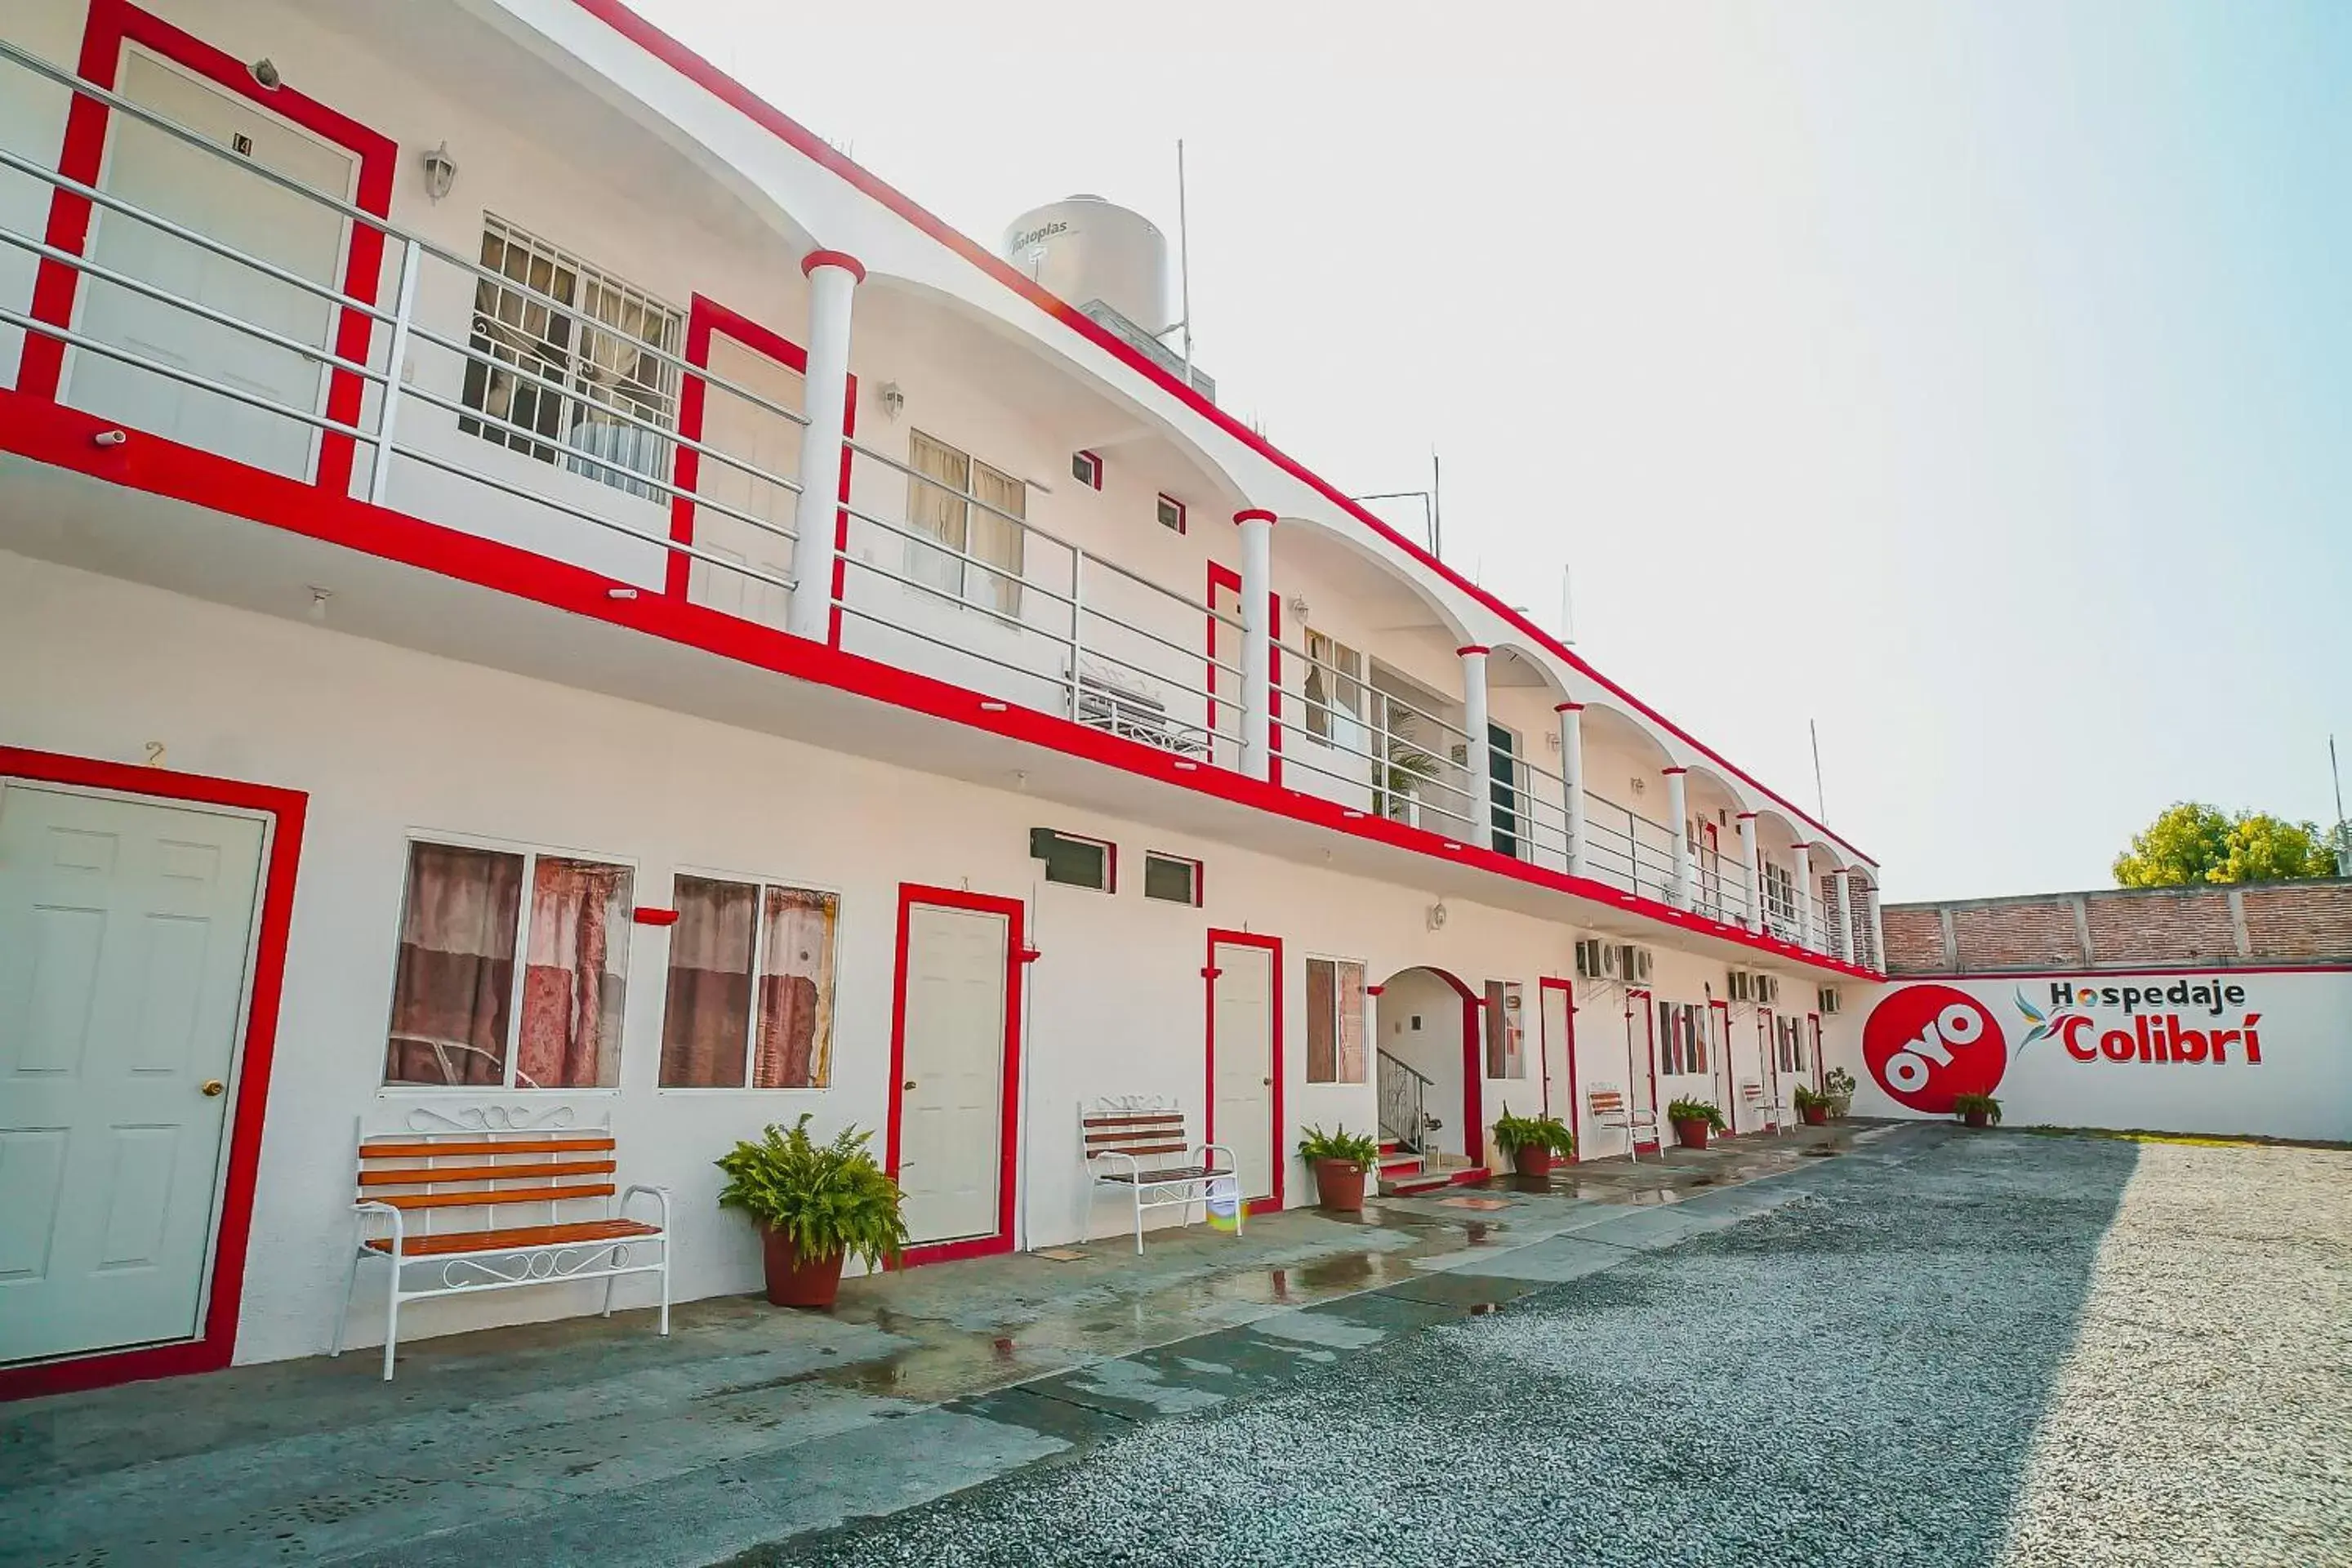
point(1404, 1103)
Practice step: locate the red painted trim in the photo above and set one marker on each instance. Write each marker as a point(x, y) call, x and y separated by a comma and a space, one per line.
point(1254, 514)
point(1650, 1035)
point(1743, 816)
point(1466, 649)
point(841, 259)
point(646, 917)
point(1016, 954)
point(1272, 944)
point(1223, 577)
point(711, 80)
point(1543, 1024)
point(1718, 1005)
point(1567, 707)
point(111, 24)
point(1184, 512)
point(1672, 772)
point(60, 438)
point(215, 1344)
point(1820, 1083)
point(1094, 467)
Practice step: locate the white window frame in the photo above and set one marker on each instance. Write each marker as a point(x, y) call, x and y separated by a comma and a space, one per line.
point(1365, 1039)
point(1779, 890)
point(1183, 520)
point(655, 403)
point(1198, 867)
point(1109, 847)
point(1092, 462)
point(759, 951)
point(531, 853)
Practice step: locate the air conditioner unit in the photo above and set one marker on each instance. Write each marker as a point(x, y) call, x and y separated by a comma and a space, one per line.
point(1588, 958)
point(1767, 989)
point(1743, 986)
point(1637, 965)
point(1613, 962)
point(1827, 1002)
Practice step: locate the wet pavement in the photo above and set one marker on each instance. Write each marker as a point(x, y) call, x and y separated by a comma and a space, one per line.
point(595, 1441)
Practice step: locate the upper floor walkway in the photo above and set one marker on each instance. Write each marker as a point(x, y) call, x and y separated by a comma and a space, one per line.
point(522, 281)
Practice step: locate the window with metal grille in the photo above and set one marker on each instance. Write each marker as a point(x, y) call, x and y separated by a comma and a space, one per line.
point(587, 386)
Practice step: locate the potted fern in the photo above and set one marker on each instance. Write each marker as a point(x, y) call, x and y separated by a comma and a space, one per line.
point(1840, 1093)
point(1535, 1141)
point(1341, 1161)
point(1694, 1120)
point(1813, 1105)
point(1977, 1110)
point(815, 1205)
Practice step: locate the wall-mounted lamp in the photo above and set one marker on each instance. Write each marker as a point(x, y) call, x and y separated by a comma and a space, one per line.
point(1298, 606)
point(266, 72)
point(1437, 915)
point(440, 172)
point(319, 597)
point(1639, 784)
point(894, 402)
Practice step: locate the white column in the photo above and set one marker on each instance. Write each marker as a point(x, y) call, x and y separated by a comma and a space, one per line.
point(1478, 784)
point(1844, 882)
point(833, 279)
point(1571, 772)
point(1258, 643)
point(1804, 859)
point(1878, 929)
point(1754, 920)
point(1678, 819)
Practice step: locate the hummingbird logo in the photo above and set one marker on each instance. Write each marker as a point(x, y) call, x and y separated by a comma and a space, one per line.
point(2044, 1024)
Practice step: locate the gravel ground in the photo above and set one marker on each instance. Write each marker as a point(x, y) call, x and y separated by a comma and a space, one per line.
point(1954, 1361)
point(2206, 1413)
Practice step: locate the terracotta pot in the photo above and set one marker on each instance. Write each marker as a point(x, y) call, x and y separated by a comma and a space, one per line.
point(1977, 1117)
point(1339, 1185)
point(1692, 1135)
point(1815, 1115)
point(793, 1281)
point(1533, 1160)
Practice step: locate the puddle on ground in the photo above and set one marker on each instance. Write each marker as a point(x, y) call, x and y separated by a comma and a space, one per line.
point(1343, 1272)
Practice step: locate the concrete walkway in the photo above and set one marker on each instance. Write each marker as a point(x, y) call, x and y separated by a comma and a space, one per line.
point(595, 1442)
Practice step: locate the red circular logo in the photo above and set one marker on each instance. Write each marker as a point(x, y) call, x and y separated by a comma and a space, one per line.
point(1927, 1045)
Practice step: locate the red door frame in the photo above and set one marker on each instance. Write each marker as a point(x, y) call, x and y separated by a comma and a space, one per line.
point(1769, 1070)
point(1016, 959)
point(1718, 1007)
point(1223, 577)
point(1208, 974)
point(1543, 1020)
point(111, 24)
point(1821, 1084)
point(705, 318)
point(216, 1342)
point(1650, 1032)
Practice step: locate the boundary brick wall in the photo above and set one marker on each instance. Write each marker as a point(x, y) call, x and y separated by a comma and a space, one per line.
point(2124, 927)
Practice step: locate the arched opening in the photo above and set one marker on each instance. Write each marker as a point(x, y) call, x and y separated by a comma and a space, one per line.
point(1428, 1068)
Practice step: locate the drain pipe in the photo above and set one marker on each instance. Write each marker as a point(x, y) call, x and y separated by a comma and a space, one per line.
point(1028, 1071)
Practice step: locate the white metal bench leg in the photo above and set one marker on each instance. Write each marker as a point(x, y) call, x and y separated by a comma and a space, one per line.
point(610, 1281)
point(1139, 1221)
point(351, 1289)
point(665, 1280)
point(391, 1315)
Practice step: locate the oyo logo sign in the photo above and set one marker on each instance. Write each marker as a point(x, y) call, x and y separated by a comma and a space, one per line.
point(1928, 1045)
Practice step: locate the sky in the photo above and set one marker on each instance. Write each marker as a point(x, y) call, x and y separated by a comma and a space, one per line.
point(1973, 380)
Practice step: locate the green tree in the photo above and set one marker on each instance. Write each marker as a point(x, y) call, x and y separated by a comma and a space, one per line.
point(2192, 842)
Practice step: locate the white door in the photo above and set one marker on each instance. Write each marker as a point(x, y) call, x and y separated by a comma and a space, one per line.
point(1244, 1065)
point(160, 173)
point(767, 441)
point(1555, 1056)
point(124, 929)
point(952, 1094)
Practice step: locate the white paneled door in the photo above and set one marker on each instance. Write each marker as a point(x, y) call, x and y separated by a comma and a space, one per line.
point(125, 929)
point(1243, 1066)
point(161, 173)
point(1558, 1046)
point(951, 1087)
point(768, 441)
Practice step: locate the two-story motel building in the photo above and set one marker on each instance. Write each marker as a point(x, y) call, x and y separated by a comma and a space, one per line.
point(532, 586)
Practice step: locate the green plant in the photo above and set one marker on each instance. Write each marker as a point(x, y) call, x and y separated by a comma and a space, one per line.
point(1972, 1104)
point(1540, 1132)
point(824, 1198)
point(1809, 1097)
point(1356, 1148)
point(1841, 1092)
point(1694, 1110)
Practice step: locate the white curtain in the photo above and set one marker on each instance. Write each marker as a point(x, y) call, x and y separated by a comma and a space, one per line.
point(936, 511)
point(998, 540)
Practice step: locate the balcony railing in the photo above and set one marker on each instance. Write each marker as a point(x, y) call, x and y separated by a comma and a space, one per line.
point(487, 401)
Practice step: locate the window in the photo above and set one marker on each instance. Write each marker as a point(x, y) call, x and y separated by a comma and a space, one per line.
point(1335, 685)
point(973, 511)
point(1791, 1042)
point(458, 1019)
point(1172, 514)
point(720, 1027)
point(1779, 891)
point(1506, 1033)
point(559, 389)
point(1683, 1029)
point(1076, 862)
point(1335, 1021)
point(1086, 468)
point(1171, 878)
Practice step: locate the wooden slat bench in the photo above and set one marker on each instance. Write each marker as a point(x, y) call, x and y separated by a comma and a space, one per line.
point(1609, 1109)
point(1128, 1145)
point(487, 1168)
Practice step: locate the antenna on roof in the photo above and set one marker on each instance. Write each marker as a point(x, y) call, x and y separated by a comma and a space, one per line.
point(2343, 833)
point(1566, 608)
point(1820, 807)
point(1183, 264)
point(1436, 509)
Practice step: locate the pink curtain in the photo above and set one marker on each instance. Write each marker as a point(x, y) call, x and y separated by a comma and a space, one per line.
point(707, 1011)
point(794, 1046)
point(454, 979)
point(574, 983)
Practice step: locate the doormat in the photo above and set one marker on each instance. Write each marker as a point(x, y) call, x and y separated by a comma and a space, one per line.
point(1060, 1254)
point(1482, 1205)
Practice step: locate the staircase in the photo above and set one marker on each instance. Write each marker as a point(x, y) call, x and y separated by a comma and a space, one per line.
point(1410, 1163)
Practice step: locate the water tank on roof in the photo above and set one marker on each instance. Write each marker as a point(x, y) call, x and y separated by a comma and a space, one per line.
point(1084, 248)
